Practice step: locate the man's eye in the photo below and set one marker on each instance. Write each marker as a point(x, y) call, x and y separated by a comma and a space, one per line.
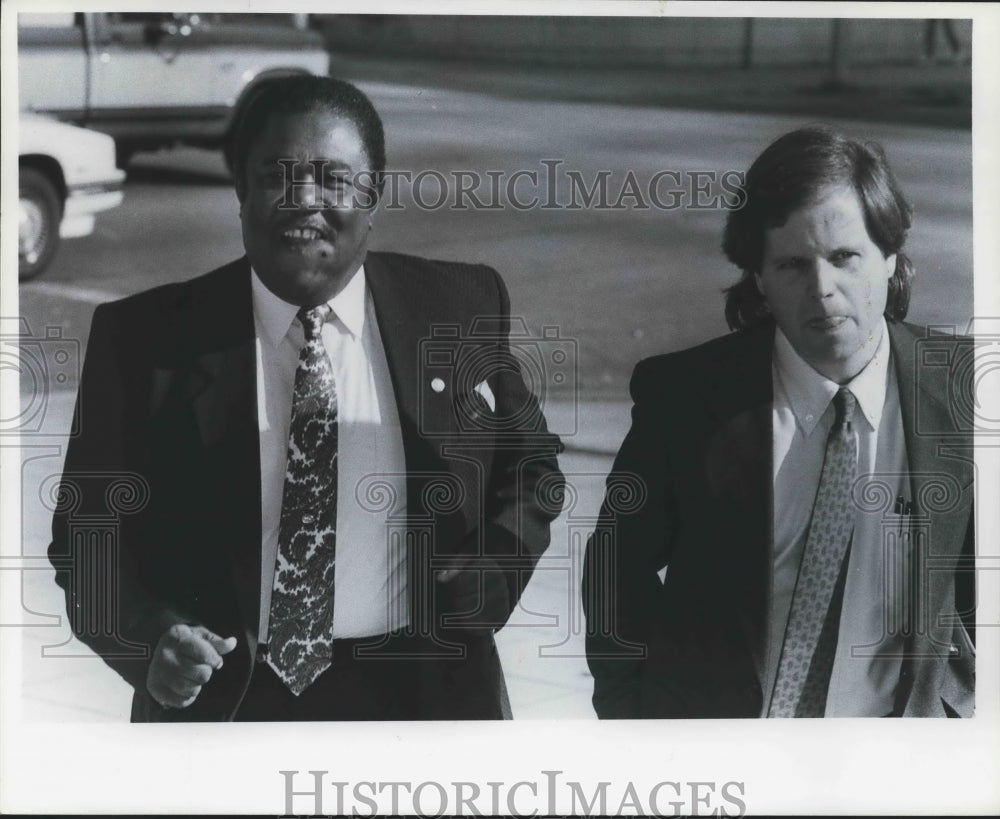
point(842, 256)
point(791, 264)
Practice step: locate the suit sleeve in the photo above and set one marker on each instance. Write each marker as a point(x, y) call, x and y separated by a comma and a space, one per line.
point(103, 487)
point(524, 489)
point(621, 587)
point(965, 580)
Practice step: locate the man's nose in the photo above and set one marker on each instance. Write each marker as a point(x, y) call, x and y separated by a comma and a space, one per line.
point(822, 278)
point(308, 192)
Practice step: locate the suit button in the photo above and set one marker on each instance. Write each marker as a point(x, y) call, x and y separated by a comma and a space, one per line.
point(953, 650)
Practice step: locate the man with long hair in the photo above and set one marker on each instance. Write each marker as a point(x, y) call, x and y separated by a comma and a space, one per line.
point(812, 528)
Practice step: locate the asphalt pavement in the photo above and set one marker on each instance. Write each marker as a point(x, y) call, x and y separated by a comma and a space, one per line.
point(925, 92)
point(616, 283)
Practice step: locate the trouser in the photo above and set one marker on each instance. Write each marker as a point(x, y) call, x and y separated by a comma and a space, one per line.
point(400, 679)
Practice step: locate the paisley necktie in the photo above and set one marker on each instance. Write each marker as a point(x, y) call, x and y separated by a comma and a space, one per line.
point(301, 622)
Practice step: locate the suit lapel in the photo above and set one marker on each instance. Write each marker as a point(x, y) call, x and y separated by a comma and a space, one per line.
point(405, 316)
point(401, 329)
point(941, 475)
point(934, 446)
point(940, 464)
point(739, 458)
point(218, 377)
point(214, 333)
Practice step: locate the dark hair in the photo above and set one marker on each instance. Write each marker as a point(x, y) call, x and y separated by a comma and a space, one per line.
point(790, 172)
point(303, 94)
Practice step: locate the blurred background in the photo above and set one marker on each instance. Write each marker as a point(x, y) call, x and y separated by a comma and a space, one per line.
point(479, 94)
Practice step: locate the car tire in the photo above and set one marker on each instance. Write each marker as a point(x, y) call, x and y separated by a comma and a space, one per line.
point(40, 211)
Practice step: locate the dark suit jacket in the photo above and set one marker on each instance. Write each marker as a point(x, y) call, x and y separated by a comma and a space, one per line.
point(168, 452)
point(701, 444)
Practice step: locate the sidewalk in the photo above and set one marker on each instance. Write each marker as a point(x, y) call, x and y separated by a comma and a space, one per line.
point(541, 648)
point(589, 427)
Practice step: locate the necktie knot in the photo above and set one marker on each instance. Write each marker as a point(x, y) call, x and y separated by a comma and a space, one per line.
point(312, 319)
point(843, 405)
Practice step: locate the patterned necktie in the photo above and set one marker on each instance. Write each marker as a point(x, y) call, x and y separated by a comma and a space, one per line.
point(301, 624)
point(810, 638)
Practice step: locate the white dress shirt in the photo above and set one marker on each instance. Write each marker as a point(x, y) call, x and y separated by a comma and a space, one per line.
point(370, 594)
point(867, 664)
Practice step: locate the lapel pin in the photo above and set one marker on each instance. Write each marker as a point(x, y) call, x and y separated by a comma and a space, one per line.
point(437, 385)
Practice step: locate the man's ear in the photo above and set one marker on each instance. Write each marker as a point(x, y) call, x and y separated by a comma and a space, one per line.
point(890, 266)
point(240, 185)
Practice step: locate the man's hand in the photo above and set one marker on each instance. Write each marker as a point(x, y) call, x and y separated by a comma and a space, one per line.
point(183, 662)
point(460, 586)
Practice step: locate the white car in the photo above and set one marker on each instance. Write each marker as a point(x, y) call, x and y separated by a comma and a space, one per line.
point(156, 79)
point(66, 175)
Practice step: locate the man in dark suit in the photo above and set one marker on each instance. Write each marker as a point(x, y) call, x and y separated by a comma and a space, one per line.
point(805, 482)
point(330, 455)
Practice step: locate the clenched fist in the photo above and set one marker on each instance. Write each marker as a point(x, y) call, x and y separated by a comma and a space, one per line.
point(183, 662)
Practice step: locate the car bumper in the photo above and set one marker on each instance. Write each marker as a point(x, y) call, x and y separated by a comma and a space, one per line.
point(84, 201)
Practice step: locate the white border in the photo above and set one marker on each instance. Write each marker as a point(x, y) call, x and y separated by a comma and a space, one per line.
point(847, 766)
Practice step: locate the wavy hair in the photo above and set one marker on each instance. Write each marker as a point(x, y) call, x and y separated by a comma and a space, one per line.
point(787, 175)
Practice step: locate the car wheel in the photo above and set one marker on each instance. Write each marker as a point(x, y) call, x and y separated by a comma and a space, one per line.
point(40, 210)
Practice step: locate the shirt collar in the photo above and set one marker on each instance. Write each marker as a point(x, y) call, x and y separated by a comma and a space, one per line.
point(275, 315)
point(809, 393)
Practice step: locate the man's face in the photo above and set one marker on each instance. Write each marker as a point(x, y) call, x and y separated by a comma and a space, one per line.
point(303, 231)
point(825, 282)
